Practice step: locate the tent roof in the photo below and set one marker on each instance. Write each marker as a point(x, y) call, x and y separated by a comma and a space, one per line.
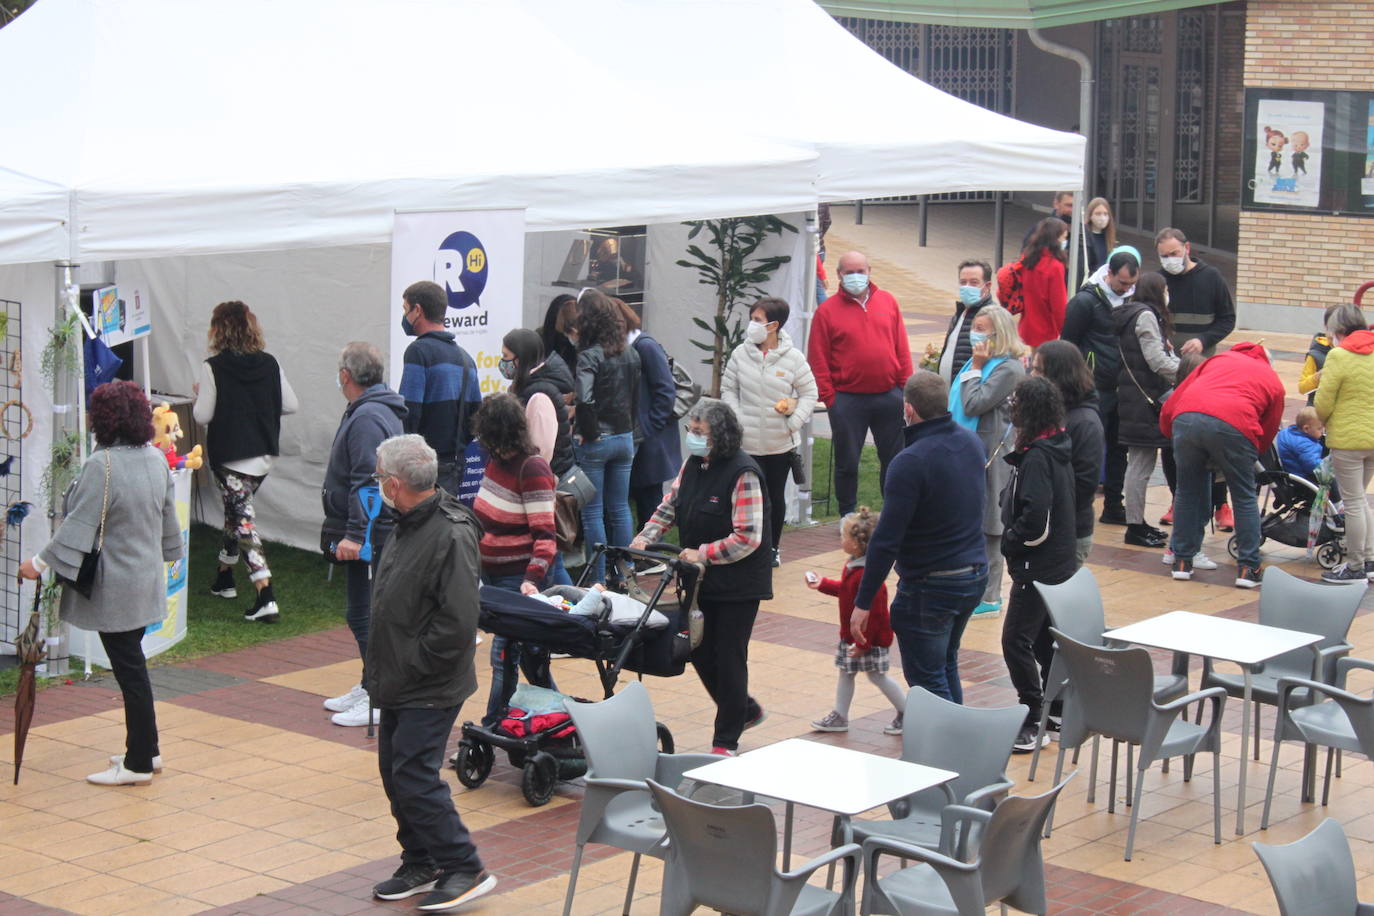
point(1004, 14)
point(169, 127)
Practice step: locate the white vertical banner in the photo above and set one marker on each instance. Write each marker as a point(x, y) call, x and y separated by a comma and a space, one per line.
point(478, 257)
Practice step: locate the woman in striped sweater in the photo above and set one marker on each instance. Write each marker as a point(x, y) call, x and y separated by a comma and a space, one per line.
point(515, 506)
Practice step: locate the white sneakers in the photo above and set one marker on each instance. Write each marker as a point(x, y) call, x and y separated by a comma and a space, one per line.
point(118, 776)
point(357, 714)
point(157, 761)
point(1200, 560)
point(345, 702)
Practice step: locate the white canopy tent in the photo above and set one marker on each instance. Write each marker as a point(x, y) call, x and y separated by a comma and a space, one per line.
point(259, 150)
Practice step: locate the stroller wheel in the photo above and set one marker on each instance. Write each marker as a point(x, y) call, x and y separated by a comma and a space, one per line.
point(473, 763)
point(538, 778)
point(1232, 547)
point(1329, 555)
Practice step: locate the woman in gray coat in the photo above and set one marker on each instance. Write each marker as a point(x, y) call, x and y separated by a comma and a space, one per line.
point(980, 400)
point(125, 483)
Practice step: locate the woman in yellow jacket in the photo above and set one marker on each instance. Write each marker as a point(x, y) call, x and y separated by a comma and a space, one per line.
point(1345, 403)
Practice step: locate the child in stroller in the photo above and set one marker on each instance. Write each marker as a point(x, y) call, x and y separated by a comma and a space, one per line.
point(1287, 501)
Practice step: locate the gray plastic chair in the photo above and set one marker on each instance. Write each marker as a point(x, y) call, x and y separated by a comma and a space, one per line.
point(1009, 868)
point(1343, 723)
point(1315, 874)
point(724, 857)
point(620, 739)
point(1114, 693)
point(973, 742)
point(1075, 608)
point(1308, 607)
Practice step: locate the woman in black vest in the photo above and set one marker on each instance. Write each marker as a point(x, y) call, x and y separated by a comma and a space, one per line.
point(542, 384)
point(241, 396)
point(720, 507)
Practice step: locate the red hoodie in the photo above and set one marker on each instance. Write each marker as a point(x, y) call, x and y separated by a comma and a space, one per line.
point(1361, 342)
point(1045, 297)
point(1238, 387)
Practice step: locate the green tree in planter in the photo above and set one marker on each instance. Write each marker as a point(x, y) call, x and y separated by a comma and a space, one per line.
point(736, 275)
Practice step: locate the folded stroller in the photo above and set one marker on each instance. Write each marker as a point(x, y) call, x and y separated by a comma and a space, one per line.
point(653, 636)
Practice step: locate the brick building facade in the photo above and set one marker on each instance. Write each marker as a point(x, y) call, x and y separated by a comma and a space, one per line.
point(1291, 264)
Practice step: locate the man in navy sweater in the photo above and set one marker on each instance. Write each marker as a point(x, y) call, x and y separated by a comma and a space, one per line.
point(932, 529)
point(438, 381)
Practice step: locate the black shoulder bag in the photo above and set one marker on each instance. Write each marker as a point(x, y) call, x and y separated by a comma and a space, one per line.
point(84, 583)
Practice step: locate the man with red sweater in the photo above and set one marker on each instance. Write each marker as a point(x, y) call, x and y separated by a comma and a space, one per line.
point(859, 353)
point(1223, 416)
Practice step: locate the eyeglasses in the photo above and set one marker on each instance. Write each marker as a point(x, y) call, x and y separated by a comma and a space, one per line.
point(378, 478)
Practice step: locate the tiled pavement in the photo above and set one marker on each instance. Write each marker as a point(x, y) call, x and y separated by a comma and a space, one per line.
point(265, 807)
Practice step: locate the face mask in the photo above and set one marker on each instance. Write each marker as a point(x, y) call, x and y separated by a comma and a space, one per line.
point(407, 328)
point(970, 295)
point(698, 445)
point(1172, 265)
point(386, 500)
point(338, 380)
point(506, 367)
point(1100, 221)
point(976, 337)
point(855, 284)
point(756, 333)
point(1063, 244)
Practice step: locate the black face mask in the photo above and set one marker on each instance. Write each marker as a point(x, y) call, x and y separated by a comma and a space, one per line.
point(407, 328)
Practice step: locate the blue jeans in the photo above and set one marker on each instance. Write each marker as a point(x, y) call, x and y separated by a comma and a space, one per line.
point(509, 658)
point(1201, 443)
point(606, 462)
point(929, 614)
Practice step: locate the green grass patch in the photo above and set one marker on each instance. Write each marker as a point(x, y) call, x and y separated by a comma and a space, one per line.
point(823, 481)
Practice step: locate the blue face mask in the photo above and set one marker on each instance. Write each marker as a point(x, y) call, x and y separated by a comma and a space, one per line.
point(855, 284)
point(976, 337)
point(970, 295)
point(1063, 244)
point(698, 445)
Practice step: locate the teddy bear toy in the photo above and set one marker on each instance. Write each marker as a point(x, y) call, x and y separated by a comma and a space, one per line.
point(166, 432)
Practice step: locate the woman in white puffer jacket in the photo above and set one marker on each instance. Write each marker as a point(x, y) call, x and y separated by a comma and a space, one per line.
point(769, 385)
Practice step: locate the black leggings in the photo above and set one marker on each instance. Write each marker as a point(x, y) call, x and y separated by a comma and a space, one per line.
point(125, 652)
point(722, 663)
point(776, 469)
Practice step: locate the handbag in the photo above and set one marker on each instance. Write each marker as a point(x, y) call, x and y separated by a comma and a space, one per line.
point(577, 484)
point(84, 583)
point(573, 491)
point(798, 467)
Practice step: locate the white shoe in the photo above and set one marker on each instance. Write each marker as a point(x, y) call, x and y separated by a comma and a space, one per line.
point(356, 715)
point(345, 703)
point(118, 759)
point(1200, 560)
point(118, 776)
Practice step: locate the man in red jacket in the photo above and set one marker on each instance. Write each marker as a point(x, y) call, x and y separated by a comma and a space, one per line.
point(859, 353)
point(1223, 416)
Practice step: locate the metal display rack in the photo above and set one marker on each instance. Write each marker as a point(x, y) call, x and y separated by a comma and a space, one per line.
point(15, 424)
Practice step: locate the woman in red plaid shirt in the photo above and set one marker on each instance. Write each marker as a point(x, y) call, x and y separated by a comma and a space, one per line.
point(721, 511)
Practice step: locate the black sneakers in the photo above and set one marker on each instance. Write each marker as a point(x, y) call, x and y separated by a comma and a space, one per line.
point(1181, 568)
point(408, 881)
point(1248, 577)
point(1025, 739)
point(457, 888)
point(264, 609)
point(1346, 572)
point(223, 586)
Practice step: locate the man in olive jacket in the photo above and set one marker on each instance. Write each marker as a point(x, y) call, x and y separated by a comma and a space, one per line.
point(420, 670)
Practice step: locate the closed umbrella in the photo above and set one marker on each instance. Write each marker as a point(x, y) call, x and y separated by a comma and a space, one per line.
point(30, 650)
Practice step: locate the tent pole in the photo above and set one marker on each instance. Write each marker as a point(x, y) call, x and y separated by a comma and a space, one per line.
point(999, 228)
point(809, 304)
point(1085, 114)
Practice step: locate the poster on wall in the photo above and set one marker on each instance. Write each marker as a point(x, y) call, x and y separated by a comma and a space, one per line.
point(1367, 171)
point(1288, 155)
point(121, 316)
point(478, 258)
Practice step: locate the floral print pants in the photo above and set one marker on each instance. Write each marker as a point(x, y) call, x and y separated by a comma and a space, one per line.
point(240, 534)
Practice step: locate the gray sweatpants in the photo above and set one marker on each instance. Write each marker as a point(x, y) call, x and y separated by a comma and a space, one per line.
point(1140, 465)
point(993, 593)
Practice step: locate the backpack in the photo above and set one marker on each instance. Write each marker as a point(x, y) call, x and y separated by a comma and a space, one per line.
point(688, 391)
point(1010, 288)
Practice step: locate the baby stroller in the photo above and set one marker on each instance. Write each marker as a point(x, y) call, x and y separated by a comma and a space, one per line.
point(538, 736)
point(1286, 501)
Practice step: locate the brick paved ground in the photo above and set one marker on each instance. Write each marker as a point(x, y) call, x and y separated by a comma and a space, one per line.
point(265, 807)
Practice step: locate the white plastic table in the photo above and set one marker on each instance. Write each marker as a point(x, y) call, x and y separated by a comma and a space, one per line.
point(835, 779)
point(1240, 641)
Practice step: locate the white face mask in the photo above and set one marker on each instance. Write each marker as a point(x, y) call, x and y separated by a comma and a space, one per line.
point(756, 333)
point(1100, 221)
point(338, 380)
point(1172, 265)
point(386, 500)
